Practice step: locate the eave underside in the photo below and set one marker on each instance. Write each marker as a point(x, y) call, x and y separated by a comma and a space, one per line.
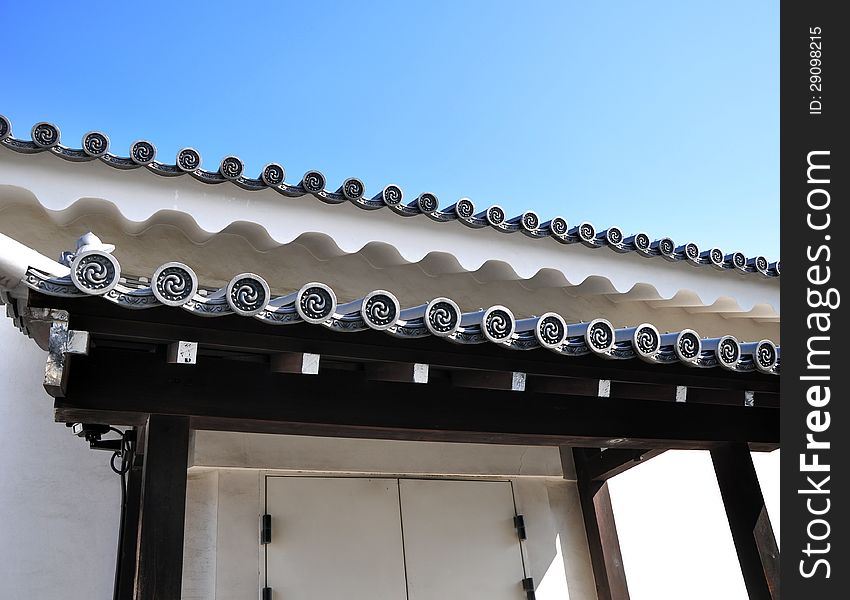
point(359, 392)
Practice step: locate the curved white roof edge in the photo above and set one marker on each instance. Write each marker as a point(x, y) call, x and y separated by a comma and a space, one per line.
point(139, 196)
point(16, 258)
point(45, 139)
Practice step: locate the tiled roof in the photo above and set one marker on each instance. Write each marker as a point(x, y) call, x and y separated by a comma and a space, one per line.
point(45, 137)
point(94, 271)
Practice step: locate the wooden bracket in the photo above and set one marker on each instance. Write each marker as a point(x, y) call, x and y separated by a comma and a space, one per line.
point(61, 341)
point(182, 353)
point(302, 363)
point(491, 380)
point(403, 372)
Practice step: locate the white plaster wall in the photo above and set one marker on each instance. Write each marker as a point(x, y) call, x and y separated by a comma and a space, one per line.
point(238, 561)
point(556, 553)
point(349, 455)
point(199, 541)
point(59, 501)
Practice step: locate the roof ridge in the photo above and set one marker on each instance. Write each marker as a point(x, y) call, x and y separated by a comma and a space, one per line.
point(95, 146)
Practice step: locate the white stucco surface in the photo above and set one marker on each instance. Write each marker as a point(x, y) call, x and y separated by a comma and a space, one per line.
point(59, 501)
point(347, 455)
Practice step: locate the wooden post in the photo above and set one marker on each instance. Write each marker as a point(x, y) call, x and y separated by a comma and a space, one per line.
point(601, 531)
point(159, 552)
point(129, 537)
point(748, 520)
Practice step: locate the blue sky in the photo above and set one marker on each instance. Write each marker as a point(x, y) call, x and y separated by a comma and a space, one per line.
point(653, 116)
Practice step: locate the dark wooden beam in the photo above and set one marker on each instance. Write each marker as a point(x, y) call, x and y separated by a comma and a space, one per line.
point(302, 363)
point(130, 526)
point(603, 542)
point(602, 465)
point(239, 395)
point(490, 380)
point(165, 325)
point(159, 554)
point(562, 385)
point(730, 397)
point(748, 520)
point(402, 372)
point(643, 391)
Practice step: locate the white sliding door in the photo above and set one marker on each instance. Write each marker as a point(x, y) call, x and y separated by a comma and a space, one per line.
point(334, 538)
point(390, 539)
point(460, 541)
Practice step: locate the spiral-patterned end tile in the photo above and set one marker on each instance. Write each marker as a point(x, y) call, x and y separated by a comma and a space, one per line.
point(315, 302)
point(776, 267)
point(495, 215)
point(392, 195)
point(529, 221)
point(642, 242)
point(427, 202)
point(760, 264)
point(585, 231)
point(273, 174)
point(95, 144)
point(95, 272)
point(498, 324)
point(247, 294)
point(188, 159)
point(352, 188)
point(646, 340)
point(174, 284)
point(559, 227)
point(142, 152)
point(688, 345)
point(442, 317)
point(614, 236)
point(231, 167)
point(551, 330)
point(465, 208)
point(692, 252)
point(737, 260)
point(716, 257)
point(5, 128)
point(380, 310)
point(728, 352)
point(313, 182)
point(45, 135)
point(599, 336)
point(666, 247)
point(765, 356)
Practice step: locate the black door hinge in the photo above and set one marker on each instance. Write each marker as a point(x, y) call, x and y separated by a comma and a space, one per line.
point(528, 588)
point(519, 525)
point(266, 529)
point(267, 593)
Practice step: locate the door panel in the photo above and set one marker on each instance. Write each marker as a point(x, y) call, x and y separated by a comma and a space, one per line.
point(334, 538)
point(460, 540)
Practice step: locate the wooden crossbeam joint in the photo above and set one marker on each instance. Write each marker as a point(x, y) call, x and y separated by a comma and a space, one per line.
point(61, 341)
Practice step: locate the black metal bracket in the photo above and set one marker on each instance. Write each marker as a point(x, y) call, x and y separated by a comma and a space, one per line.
point(528, 588)
point(114, 445)
point(266, 529)
point(519, 525)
